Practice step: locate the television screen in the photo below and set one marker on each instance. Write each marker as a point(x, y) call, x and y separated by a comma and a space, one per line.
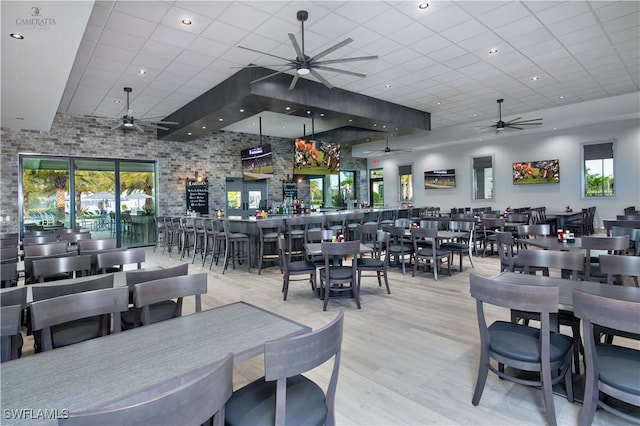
point(532, 172)
point(440, 179)
point(316, 157)
point(257, 162)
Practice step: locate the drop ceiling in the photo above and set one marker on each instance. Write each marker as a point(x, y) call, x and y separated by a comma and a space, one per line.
point(435, 60)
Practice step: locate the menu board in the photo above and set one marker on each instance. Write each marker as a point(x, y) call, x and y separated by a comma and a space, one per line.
point(289, 190)
point(198, 196)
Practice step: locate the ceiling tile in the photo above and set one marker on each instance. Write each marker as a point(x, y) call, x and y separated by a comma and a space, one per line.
point(130, 24)
point(562, 11)
point(210, 9)
point(210, 48)
point(574, 24)
point(114, 53)
point(243, 16)
point(613, 10)
point(447, 53)
point(518, 27)
point(388, 22)
point(623, 22)
point(412, 34)
point(122, 40)
point(509, 12)
point(463, 31)
point(439, 22)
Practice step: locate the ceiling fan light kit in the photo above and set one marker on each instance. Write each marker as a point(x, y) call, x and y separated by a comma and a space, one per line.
point(129, 122)
point(304, 64)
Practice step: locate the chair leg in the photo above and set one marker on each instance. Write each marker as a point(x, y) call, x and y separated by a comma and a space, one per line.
point(285, 286)
point(590, 403)
point(547, 391)
point(483, 372)
point(386, 282)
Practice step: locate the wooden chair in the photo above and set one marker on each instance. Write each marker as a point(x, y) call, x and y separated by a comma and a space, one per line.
point(284, 395)
point(351, 223)
point(151, 292)
point(61, 267)
point(611, 370)
point(160, 230)
point(336, 222)
point(48, 313)
point(10, 320)
point(489, 228)
point(159, 311)
point(15, 296)
point(97, 244)
point(188, 399)
point(399, 247)
point(29, 277)
point(431, 254)
point(532, 231)
point(519, 346)
point(298, 267)
point(118, 259)
point(464, 245)
point(9, 255)
point(616, 267)
point(612, 245)
point(634, 238)
point(368, 233)
point(46, 249)
point(336, 280)
point(8, 275)
point(73, 237)
point(378, 263)
point(43, 239)
point(296, 235)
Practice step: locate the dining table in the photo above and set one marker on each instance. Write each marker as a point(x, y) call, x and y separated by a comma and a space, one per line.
point(89, 374)
point(562, 217)
point(552, 243)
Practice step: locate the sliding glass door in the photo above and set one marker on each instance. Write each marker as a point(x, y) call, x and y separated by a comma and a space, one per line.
point(110, 198)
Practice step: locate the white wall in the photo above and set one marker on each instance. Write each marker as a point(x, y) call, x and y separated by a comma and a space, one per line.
point(564, 145)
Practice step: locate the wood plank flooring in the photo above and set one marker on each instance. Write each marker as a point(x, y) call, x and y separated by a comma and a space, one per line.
point(408, 358)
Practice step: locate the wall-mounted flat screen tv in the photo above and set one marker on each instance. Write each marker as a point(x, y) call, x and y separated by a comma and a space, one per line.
point(535, 172)
point(257, 162)
point(440, 179)
point(316, 157)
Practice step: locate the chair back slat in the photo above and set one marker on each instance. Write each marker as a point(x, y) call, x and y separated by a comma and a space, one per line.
point(50, 290)
point(120, 258)
point(79, 264)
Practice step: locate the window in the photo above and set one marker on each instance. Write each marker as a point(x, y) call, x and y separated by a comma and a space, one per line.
point(598, 170)
point(342, 188)
point(406, 183)
point(376, 187)
point(316, 187)
point(482, 175)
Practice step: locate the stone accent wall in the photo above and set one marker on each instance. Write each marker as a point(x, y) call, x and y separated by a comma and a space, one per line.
point(216, 156)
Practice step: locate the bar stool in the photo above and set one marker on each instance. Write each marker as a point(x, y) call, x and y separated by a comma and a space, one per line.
point(160, 232)
point(219, 241)
point(336, 223)
point(268, 232)
point(198, 235)
point(237, 247)
point(296, 234)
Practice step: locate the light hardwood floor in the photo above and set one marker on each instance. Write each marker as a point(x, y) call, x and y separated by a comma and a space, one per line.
point(408, 358)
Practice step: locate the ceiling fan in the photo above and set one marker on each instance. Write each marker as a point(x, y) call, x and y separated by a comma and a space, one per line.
point(388, 150)
point(128, 121)
point(304, 64)
point(516, 123)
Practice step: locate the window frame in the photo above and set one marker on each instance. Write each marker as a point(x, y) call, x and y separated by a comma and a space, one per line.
point(583, 166)
point(401, 191)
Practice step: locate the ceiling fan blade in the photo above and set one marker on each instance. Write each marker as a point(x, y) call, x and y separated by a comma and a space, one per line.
point(270, 75)
point(264, 53)
point(526, 121)
point(321, 78)
point(138, 128)
point(293, 82)
point(259, 66)
point(161, 127)
point(296, 46)
point(509, 126)
point(145, 120)
point(337, 61)
point(356, 74)
point(118, 126)
point(331, 49)
point(525, 124)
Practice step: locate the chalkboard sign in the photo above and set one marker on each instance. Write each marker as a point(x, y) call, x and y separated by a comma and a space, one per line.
point(198, 196)
point(289, 190)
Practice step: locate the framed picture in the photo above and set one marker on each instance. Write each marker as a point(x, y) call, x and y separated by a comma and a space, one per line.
point(536, 172)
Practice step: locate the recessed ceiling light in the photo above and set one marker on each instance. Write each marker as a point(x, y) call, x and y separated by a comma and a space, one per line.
point(493, 51)
point(437, 103)
point(142, 72)
point(387, 86)
point(116, 101)
point(322, 114)
point(560, 97)
point(288, 108)
point(475, 115)
point(220, 119)
point(241, 109)
point(308, 112)
point(16, 36)
point(555, 128)
point(375, 124)
point(423, 5)
point(384, 126)
point(350, 120)
point(186, 21)
point(535, 78)
point(19, 118)
point(189, 134)
point(204, 127)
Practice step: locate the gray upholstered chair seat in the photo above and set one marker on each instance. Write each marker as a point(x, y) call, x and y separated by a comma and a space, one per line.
point(406, 248)
point(160, 311)
point(272, 236)
point(454, 246)
point(255, 403)
point(428, 252)
point(301, 265)
point(337, 273)
point(367, 262)
point(521, 342)
point(70, 333)
point(615, 363)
